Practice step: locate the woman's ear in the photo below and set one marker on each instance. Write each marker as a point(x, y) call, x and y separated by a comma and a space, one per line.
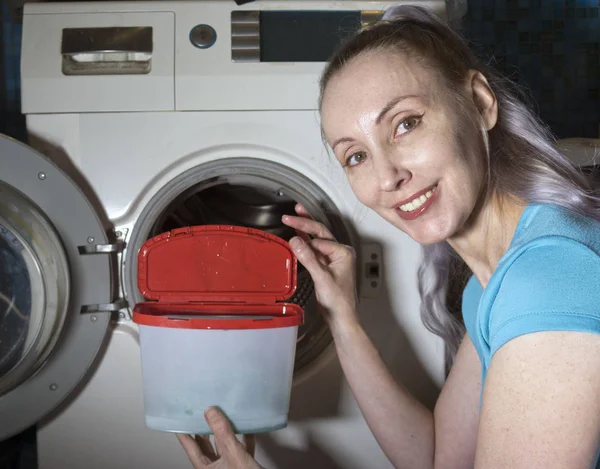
point(483, 97)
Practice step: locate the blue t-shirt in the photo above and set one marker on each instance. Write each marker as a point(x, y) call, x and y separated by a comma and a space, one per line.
point(548, 280)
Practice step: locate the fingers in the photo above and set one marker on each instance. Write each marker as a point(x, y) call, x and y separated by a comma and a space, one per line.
point(302, 235)
point(225, 439)
point(311, 259)
point(250, 444)
point(193, 451)
point(206, 446)
point(307, 225)
point(332, 249)
point(200, 452)
point(322, 249)
point(300, 210)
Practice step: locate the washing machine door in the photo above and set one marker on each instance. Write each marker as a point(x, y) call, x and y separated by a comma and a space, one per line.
point(56, 277)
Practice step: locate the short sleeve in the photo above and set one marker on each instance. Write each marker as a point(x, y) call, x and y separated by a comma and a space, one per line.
point(553, 285)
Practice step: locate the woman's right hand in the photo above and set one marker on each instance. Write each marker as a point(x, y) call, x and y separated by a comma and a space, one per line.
point(228, 452)
point(331, 266)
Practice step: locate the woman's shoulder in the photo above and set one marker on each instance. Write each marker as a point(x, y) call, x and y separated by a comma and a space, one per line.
point(554, 257)
point(551, 283)
point(548, 224)
point(549, 241)
point(548, 280)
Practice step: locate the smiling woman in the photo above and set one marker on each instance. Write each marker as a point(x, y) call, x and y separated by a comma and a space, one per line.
point(444, 104)
point(441, 147)
point(405, 131)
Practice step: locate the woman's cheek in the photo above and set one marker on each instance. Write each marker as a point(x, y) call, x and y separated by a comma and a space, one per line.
point(362, 189)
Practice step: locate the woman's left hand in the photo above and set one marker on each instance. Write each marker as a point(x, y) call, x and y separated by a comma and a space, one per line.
point(229, 453)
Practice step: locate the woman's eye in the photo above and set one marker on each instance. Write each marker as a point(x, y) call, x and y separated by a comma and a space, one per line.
point(356, 158)
point(407, 125)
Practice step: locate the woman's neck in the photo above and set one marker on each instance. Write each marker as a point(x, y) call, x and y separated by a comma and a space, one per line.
point(487, 235)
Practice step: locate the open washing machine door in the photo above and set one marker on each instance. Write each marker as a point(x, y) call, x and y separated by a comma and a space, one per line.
point(56, 286)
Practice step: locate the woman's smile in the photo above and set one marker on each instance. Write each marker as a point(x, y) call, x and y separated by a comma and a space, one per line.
point(417, 204)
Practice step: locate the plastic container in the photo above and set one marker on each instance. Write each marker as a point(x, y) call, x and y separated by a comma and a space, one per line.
point(215, 333)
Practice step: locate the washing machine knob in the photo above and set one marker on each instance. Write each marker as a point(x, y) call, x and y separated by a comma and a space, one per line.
point(203, 36)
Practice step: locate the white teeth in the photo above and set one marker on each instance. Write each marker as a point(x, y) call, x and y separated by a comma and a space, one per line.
point(417, 202)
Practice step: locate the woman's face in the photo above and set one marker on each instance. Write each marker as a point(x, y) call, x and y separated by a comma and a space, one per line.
point(405, 151)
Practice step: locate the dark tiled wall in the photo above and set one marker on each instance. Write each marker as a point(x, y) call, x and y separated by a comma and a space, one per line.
point(11, 121)
point(552, 47)
point(18, 452)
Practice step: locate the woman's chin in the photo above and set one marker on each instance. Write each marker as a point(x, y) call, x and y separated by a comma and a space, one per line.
point(428, 237)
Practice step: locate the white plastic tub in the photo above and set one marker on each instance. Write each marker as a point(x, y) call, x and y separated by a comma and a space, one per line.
point(237, 355)
point(245, 372)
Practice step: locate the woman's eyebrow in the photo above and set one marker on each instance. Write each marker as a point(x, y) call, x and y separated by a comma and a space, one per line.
point(391, 104)
point(341, 140)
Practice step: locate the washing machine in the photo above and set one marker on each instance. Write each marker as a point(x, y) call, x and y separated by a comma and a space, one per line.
point(148, 116)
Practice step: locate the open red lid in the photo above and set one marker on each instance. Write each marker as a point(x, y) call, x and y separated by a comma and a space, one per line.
point(217, 263)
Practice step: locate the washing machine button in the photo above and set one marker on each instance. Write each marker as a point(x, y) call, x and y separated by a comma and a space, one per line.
point(203, 36)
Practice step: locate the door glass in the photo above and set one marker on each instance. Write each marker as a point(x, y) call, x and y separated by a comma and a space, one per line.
point(34, 288)
point(15, 300)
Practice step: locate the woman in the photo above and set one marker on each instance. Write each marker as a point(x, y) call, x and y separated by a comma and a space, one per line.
point(437, 145)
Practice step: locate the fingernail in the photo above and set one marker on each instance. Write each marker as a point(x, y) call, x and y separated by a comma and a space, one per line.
point(295, 243)
point(285, 218)
point(211, 414)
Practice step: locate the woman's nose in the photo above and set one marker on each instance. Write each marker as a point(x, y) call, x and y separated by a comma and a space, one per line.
point(389, 174)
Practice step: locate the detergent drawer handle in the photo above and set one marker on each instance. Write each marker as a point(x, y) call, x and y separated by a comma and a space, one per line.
point(107, 51)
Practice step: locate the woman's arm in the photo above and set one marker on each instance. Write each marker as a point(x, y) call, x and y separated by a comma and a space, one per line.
point(411, 435)
point(402, 426)
point(457, 411)
point(541, 405)
point(408, 433)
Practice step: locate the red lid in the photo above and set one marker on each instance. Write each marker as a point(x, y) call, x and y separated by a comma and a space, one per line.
point(218, 316)
point(217, 263)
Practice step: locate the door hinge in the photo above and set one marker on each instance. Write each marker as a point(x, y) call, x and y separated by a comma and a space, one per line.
point(101, 248)
point(105, 307)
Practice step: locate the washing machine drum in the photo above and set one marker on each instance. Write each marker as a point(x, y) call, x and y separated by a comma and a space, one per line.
point(253, 193)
